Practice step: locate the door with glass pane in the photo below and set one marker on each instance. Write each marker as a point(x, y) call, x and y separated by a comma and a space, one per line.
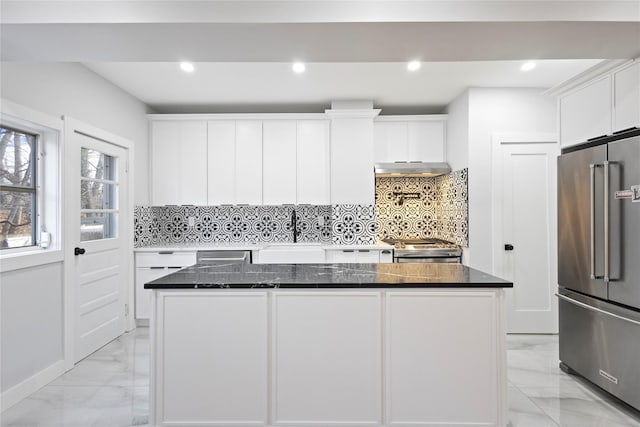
point(97, 197)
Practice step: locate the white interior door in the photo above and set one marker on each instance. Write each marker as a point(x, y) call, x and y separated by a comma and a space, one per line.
point(97, 221)
point(525, 230)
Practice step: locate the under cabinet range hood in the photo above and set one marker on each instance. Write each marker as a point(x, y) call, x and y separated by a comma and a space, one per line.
point(412, 169)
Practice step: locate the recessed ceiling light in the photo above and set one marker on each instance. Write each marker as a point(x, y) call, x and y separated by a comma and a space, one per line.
point(187, 67)
point(528, 66)
point(298, 67)
point(414, 65)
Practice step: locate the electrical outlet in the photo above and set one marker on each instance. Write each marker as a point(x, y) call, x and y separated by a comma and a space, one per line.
point(192, 221)
point(321, 220)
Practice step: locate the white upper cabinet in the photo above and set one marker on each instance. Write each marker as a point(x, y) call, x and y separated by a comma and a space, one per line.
point(178, 162)
point(352, 179)
point(390, 141)
point(626, 98)
point(279, 162)
point(586, 112)
point(313, 179)
point(409, 138)
point(235, 162)
point(222, 162)
point(249, 162)
point(426, 140)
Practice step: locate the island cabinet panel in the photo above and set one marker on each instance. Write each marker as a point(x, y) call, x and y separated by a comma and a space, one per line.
point(326, 358)
point(332, 357)
point(214, 364)
point(440, 365)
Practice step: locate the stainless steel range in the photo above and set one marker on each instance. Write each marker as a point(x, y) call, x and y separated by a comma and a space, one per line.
point(425, 250)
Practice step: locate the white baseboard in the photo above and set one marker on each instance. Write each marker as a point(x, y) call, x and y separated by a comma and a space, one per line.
point(32, 384)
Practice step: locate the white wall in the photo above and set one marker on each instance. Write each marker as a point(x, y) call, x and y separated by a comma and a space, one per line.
point(73, 90)
point(31, 320)
point(31, 335)
point(497, 111)
point(458, 132)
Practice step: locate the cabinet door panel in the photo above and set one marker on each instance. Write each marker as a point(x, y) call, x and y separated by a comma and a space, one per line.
point(426, 141)
point(415, 372)
point(221, 156)
point(338, 256)
point(352, 179)
point(626, 101)
point(179, 162)
point(586, 113)
point(329, 345)
point(390, 140)
point(313, 162)
point(249, 162)
point(223, 357)
point(279, 162)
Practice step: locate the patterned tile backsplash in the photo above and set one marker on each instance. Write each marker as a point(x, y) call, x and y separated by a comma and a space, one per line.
point(417, 207)
point(405, 207)
point(167, 225)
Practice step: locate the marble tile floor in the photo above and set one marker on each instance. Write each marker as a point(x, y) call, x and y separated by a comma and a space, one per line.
point(109, 388)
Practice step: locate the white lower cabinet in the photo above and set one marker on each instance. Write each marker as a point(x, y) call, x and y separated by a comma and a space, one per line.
point(154, 265)
point(293, 254)
point(359, 255)
point(329, 357)
point(326, 358)
point(441, 359)
point(215, 361)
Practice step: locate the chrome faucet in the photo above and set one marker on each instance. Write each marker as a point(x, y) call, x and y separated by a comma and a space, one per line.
point(294, 226)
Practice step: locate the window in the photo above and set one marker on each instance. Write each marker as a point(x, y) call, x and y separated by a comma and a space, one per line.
point(98, 195)
point(18, 201)
point(30, 187)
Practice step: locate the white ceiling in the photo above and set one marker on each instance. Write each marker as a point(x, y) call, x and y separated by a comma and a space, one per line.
point(355, 49)
point(246, 87)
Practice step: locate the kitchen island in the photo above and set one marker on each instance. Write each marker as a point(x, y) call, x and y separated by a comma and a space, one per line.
point(328, 345)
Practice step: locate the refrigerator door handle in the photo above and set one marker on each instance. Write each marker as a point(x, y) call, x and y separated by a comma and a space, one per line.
point(606, 220)
point(592, 219)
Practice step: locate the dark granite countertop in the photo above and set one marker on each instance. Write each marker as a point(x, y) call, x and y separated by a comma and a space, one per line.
point(288, 276)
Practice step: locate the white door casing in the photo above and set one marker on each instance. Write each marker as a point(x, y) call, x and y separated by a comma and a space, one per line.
point(524, 216)
point(97, 283)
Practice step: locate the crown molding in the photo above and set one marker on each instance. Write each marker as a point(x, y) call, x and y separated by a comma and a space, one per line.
point(352, 114)
point(598, 70)
point(412, 118)
point(238, 116)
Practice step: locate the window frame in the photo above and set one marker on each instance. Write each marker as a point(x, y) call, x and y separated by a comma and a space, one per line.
point(33, 190)
point(48, 184)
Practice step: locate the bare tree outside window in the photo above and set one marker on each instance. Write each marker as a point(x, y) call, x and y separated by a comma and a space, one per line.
point(17, 188)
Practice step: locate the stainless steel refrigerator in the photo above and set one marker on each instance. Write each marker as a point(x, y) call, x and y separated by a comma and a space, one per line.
point(599, 264)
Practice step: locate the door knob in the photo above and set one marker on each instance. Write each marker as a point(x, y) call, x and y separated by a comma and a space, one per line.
point(79, 251)
point(508, 247)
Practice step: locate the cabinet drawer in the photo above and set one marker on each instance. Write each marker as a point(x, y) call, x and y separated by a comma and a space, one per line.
point(368, 256)
point(165, 259)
